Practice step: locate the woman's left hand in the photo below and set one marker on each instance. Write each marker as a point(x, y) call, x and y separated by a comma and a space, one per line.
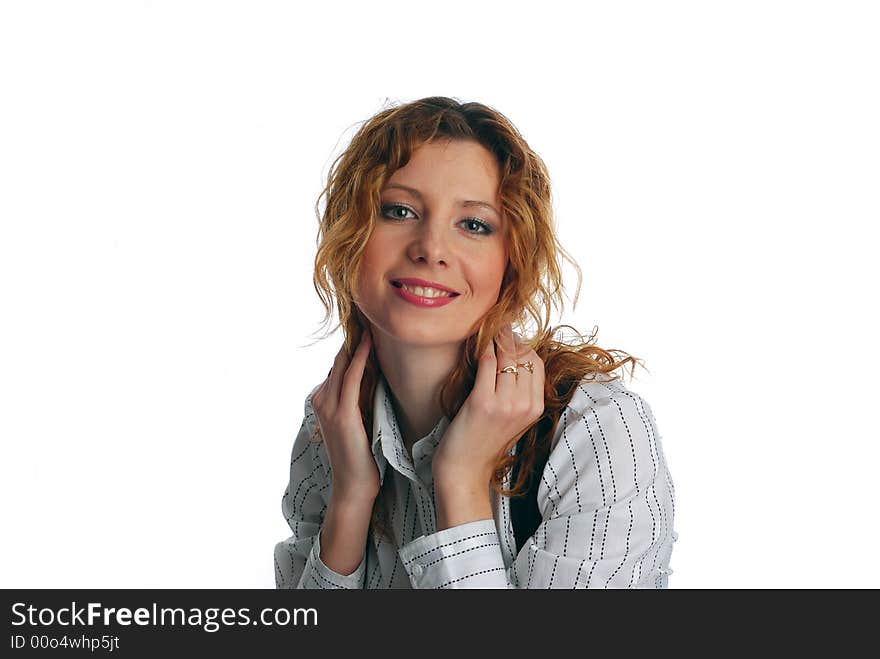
point(499, 409)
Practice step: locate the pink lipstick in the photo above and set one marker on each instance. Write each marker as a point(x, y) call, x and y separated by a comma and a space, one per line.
point(419, 300)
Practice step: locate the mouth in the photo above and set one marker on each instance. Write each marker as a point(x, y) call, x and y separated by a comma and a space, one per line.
point(422, 297)
point(425, 291)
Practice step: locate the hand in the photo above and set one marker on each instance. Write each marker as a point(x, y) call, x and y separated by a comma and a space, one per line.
point(499, 409)
point(355, 474)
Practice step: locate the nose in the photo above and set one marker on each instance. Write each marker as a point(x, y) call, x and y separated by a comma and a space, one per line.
point(430, 243)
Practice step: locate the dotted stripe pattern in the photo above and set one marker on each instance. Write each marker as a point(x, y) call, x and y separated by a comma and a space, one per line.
point(606, 497)
point(459, 553)
point(452, 543)
point(648, 429)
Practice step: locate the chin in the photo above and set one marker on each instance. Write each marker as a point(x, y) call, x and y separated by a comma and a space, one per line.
point(423, 339)
point(425, 336)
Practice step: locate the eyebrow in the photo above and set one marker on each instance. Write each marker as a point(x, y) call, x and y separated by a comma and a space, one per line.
point(461, 202)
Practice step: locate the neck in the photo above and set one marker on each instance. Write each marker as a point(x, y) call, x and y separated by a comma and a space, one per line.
point(415, 374)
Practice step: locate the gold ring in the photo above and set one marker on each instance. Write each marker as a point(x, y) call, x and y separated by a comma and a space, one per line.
point(529, 366)
point(508, 369)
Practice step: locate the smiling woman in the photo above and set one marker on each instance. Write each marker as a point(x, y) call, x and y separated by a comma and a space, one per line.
point(444, 450)
point(433, 250)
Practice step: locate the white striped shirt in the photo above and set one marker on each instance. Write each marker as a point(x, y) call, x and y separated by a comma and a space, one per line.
point(606, 498)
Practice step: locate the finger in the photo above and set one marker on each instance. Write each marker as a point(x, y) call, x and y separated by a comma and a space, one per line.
point(351, 388)
point(538, 378)
point(535, 378)
point(522, 348)
point(487, 364)
point(334, 386)
point(507, 383)
point(506, 347)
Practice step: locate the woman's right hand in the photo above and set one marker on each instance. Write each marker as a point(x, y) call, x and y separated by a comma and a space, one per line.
point(355, 474)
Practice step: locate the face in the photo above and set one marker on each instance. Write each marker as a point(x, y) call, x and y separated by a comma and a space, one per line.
point(433, 231)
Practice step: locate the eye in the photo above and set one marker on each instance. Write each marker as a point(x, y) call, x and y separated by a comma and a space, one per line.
point(482, 228)
point(389, 207)
point(486, 228)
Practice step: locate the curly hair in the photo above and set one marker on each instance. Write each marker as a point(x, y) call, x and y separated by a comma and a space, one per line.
point(531, 283)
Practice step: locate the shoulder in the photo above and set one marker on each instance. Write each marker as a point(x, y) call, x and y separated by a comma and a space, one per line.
point(309, 453)
point(604, 405)
point(308, 411)
point(308, 489)
point(607, 428)
point(606, 446)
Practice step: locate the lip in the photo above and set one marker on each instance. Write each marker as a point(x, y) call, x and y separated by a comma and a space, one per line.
point(424, 283)
point(418, 300)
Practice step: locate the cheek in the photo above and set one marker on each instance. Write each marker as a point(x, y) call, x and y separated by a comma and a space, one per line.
point(499, 265)
point(375, 252)
point(488, 276)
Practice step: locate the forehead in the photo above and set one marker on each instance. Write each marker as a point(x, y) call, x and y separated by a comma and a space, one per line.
point(465, 164)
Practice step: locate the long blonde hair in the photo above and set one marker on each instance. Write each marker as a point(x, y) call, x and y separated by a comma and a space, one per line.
point(532, 280)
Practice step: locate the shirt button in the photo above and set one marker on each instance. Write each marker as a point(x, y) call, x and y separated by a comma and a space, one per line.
point(417, 569)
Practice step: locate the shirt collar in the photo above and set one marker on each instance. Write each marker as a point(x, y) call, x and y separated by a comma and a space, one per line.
point(388, 446)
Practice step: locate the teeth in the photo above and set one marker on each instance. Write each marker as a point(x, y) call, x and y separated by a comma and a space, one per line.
point(426, 292)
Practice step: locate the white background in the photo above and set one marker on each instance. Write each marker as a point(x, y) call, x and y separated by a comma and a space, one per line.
point(715, 169)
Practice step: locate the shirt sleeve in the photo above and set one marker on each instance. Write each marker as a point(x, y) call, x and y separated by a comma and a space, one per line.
point(607, 504)
point(298, 562)
point(463, 556)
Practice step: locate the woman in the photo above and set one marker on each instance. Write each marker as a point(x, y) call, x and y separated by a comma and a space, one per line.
point(437, 236)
